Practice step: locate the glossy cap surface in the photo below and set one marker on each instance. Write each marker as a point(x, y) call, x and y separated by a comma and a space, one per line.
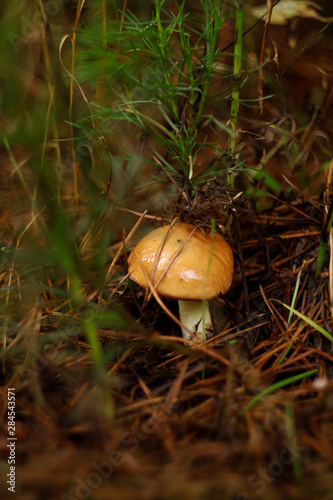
point(202, 268)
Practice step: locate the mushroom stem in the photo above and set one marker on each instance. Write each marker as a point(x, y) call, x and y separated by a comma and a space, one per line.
point(191, 315)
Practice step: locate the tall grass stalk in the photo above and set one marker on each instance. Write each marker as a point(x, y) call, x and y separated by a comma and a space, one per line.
point(236, 85)
point(292, 436)
point(71, 95)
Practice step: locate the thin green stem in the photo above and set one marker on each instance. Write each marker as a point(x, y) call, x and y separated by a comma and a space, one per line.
point(237, 81)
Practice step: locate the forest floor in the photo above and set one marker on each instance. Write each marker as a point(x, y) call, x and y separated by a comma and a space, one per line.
point(101, 396)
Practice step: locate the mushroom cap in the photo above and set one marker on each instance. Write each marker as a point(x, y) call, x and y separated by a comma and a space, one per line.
point(202, 268)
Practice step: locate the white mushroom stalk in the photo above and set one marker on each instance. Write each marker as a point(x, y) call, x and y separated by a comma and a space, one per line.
point(195, 316)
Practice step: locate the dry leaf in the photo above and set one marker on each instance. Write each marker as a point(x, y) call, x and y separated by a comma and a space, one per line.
point(289, 9)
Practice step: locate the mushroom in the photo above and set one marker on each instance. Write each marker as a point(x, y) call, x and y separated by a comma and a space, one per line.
point(185, 263)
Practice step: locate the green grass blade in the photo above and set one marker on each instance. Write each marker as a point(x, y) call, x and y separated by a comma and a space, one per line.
point(236, 77)
point(309, 321)
point(293, 300)
point(321, 257)
point(292, 437)
point(279, 385)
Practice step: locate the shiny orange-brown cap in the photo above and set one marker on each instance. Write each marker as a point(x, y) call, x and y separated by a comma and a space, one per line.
point(202, 268)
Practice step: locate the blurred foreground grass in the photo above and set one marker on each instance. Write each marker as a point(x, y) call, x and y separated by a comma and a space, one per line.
point(109, 110)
